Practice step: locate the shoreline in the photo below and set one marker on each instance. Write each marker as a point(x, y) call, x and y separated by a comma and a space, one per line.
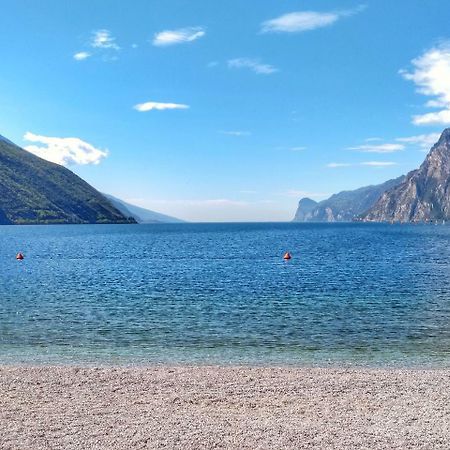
point(230, 407)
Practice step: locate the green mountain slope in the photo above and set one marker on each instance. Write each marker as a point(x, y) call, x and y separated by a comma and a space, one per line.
point(35, 191)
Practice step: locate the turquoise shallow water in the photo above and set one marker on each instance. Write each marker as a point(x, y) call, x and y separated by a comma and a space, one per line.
point(353, 294)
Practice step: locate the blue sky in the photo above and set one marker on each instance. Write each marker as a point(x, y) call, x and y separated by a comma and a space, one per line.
point(226, 111)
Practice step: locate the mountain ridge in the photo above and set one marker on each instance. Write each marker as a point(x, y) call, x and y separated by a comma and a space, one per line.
point(345, 206)
point(424, 195)
point(36, 191)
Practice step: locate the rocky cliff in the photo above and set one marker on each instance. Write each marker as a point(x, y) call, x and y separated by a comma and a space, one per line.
point(424, 195)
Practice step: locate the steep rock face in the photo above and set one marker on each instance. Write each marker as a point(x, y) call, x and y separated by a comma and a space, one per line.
point(305, 209)
point(35, 191)
point(344, 206)
point(425, 193)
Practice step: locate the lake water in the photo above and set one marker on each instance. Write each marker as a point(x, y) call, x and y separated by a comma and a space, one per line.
point(353, 294)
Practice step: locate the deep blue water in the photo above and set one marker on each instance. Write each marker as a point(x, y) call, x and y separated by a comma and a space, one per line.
point(221, 293)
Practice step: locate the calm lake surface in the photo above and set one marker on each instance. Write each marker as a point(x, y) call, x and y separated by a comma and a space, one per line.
point(356, 294)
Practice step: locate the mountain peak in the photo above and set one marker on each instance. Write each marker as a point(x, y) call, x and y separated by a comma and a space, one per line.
point(445, 137)
point(424, 195)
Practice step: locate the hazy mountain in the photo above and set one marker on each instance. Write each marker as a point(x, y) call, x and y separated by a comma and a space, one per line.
point(305, 210)
point(344, 206)
point(424, 195)
point(141, 215)
point(35, 191)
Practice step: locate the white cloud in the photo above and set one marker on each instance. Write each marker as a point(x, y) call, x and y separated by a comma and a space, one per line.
point(299, 21)
point(102, 43)
point(64, 151)
point(424, 141)
point(435, 118)
point(104, 39)
point(180, 36)
point(365, 163)
point(292, 149)
point(297, 194)
point(80, 56)
point(149, 106)
point(334, 165)
point(237, 133)
point(379, 148)
point(431, 75)
point(378, 163)
point(252, 64)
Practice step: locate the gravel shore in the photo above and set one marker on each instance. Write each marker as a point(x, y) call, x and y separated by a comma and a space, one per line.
point(223, 407)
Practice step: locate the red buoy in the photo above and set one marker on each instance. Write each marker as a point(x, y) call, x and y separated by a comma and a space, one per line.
point(20, 256)
point(287, 256)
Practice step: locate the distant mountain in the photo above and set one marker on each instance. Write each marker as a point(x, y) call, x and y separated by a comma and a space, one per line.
point(305, 210)
point(141, 215)
point(424, 195)
point(344, 206)
point(35, 191)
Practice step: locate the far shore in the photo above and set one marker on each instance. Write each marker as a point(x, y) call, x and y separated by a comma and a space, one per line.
point(184, 407)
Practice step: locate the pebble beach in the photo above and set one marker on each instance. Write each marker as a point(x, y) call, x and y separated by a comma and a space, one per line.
point(187, 407)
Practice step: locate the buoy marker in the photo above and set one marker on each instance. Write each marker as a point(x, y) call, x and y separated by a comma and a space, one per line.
point(20, 256)
point(287, 256)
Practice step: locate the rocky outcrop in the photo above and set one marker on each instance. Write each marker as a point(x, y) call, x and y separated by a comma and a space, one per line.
point(305, 210)
point(423, 196)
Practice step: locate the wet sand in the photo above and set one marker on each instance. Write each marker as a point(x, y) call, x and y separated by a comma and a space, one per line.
point(223, 407)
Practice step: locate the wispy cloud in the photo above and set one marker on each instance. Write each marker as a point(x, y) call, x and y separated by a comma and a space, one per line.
point(237, 133)
point(299, 21)
point(80, 56)
point(158, 106)
point(253, 64)
point(378, 164)
point(104, 39)
point(179, 36)
point(64, 151)
point(101, 43)
point(431, 75)
point(378, 148)
point(300, 193)
point(334, 165)
point(292, 149)
point(424, 141)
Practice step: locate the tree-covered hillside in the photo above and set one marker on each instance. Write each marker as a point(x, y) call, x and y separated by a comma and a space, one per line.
point(35, 191)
